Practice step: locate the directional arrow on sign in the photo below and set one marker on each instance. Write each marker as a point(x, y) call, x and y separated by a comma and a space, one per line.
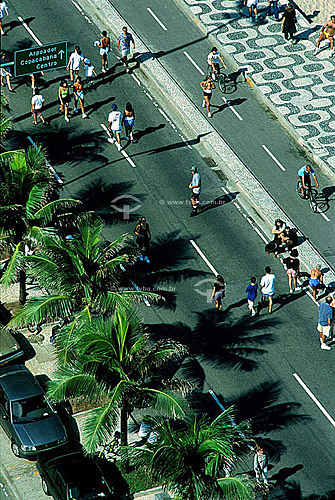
point(61, 53)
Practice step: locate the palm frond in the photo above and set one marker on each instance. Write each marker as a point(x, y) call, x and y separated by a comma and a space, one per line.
point(14, 265)
point(43, 309)
point(46, 212)
point(168, 402)
point(237, 488)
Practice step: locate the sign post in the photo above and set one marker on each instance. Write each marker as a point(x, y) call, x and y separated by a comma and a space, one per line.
point(43, 58)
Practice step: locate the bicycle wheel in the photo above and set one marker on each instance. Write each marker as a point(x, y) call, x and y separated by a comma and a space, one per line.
point(312, 201)
point(300, 191)
point(222, 82)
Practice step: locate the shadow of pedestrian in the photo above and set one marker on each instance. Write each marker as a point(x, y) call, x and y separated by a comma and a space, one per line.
point(305, 35)
point(7, 27)
point(281, 476)
point(147, 131)
point(218, 202)
point(283, 300)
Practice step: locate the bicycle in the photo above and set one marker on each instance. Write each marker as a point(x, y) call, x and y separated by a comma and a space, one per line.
point(308, 193)
point(111, 451)
point(221, 78)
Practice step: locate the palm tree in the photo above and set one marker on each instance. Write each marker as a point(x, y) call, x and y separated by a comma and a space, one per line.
point(6, 123)
point(25, 207)
point(193, 457)
point(112, 361)
point(83, 272)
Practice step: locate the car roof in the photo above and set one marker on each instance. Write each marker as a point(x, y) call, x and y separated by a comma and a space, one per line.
point(8, 344)
point(18, 382)
point(75, 467)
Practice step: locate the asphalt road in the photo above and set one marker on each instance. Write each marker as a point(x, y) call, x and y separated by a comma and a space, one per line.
point(247, 126)
point(156, 186)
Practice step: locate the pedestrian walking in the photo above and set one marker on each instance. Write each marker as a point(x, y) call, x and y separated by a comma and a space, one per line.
point(105, 47)
point(292, 266)
point(89, 71)
point(251, 292)
point(289, 22)
point(5, 72)
point(37, 103)
point(128, 121)
point(261, 465)
point(218, 292)
point(143, 237)
point(195, 186)
point(114, 126)
point(324, 322)
point(64, 99)
point(74, 62)
point(274, 4)
point(207, 86)
point(78, 94)
point(267, 287)
point(327, 33)
point(315, 280)
point(3, 10)
point(123, 43)
point(252, 7)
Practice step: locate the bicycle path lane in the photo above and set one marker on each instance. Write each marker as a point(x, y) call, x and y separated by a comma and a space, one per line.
point(298, 86)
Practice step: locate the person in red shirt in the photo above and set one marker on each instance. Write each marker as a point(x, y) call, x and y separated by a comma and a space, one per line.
point(78, 94)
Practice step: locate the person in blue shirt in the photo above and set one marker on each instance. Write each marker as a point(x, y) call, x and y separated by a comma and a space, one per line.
point(324, 320)
point(251, 290)
point(305, 174)
point(123, 42)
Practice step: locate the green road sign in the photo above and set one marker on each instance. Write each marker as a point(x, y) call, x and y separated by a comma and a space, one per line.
point(43, 58)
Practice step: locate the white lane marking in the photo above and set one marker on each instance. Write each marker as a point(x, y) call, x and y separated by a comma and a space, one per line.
point(46, 162)
point(274, 158)
point(157, 19)
point(204, 258)
point(233, 109)
point(185, 140)
point(31, 33)
point(194, 63)
point(77, 6)
point(136, 79)
point(163, 114)
point(322, 214)
point(313, 398)
point(129, 160)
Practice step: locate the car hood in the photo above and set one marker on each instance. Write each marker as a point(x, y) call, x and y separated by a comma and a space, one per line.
point(42, 432)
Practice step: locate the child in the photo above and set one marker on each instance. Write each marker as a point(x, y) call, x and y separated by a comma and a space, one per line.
point(251, 290)
point(89, 71)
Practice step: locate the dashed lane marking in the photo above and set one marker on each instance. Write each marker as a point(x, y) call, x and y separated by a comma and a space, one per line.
point(31, 33)
point(157, 19)
point(204, 258)
point(322, 214)
point(314, 399)
point(274, 158)
point(233, 109)
point(193, 62)
point(129, 160)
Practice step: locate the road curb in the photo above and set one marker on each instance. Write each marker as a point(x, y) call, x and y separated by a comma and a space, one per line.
point(10, 486)
point(190, 115)
point(326, 169)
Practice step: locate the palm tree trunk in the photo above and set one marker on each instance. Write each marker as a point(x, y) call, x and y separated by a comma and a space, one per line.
point(23, 288)
point(124, 436)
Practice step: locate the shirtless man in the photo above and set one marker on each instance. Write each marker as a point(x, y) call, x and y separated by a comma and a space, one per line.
point(327, 33)
point(315, 280)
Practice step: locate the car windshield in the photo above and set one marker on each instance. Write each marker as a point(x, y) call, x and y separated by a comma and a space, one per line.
point(31, 409)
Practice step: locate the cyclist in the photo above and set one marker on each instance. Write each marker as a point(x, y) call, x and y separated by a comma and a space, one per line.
point(305, 174)
point(213, 59)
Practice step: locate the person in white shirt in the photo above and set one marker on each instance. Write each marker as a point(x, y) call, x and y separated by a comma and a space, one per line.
point(89, 71)
point(74, 62)
point(3, 10)
point(213, 60)
point(115, 125)
point(267, 287)
point(36, 106)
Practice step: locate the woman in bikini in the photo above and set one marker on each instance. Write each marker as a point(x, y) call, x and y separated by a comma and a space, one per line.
point(64, 99)
point(207, 86)
point(128, 121)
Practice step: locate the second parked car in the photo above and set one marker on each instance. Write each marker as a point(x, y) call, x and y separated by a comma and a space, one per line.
point(26, 416)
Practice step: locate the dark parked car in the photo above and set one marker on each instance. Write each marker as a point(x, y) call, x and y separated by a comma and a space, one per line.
point(9, 347)
point(26, 416)
point(72, 475)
